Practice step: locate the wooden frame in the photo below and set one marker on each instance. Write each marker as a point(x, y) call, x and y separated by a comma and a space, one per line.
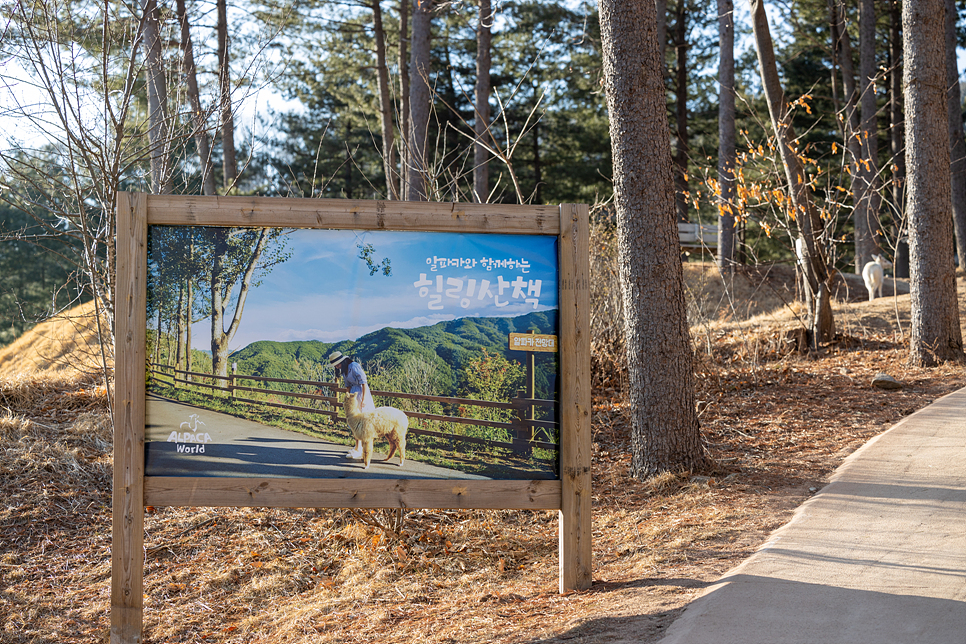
point(133, 491)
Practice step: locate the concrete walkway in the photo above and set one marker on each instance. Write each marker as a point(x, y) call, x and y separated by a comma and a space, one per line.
point(878, 556)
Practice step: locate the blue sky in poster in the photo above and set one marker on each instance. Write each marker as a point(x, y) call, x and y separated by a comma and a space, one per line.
point(325, 292)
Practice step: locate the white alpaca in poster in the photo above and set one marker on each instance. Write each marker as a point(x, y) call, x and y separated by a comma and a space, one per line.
point(385, 422)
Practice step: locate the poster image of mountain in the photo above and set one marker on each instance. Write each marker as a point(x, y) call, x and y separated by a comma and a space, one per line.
point(351, 354)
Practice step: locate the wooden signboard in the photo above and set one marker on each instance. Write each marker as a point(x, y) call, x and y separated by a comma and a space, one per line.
point(533, 342)
point(135, 487)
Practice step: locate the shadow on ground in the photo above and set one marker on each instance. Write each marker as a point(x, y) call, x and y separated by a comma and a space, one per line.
point(624, 624)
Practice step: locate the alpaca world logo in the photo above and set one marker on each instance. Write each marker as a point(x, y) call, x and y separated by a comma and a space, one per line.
point(193, 435)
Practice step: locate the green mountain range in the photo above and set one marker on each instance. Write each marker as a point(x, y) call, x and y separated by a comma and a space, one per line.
point(446, 345)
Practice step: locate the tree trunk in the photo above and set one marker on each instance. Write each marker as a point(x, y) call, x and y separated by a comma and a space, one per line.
point(180, 317)
point(537, 195)
point(727, 146)
point(896, 125)
point(189, 300)
point(445, 85)
point(821, 324)
point(229, 166)
point(481, 122)
point(957, 147)
point(867, 229)
point(219, 342)
point(681, 192)
point(665, 432)
point(347, 188)
point(936, 336)
point(842, 46)
point(157, 339)
point(221, 295)
point(660, 6)
point(158, 135)
point(420, 99)
point(385, 105)
point(202, 138)
point(404, 98)
point(851, 127)
point(167, 342)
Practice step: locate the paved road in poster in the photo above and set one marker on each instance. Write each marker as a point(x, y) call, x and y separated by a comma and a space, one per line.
point(244, 448)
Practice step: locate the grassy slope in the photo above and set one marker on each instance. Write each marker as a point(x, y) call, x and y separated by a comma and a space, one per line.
point(65, 344)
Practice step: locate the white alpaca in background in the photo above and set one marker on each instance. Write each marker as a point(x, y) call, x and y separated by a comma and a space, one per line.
point(874, 275)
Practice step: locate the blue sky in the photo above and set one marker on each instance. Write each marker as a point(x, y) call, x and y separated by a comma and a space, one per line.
point(325, 292)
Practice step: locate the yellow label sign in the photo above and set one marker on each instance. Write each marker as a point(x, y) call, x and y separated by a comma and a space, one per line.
point(532, 342)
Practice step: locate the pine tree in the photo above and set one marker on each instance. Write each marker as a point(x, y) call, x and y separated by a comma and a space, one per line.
point(659, 357)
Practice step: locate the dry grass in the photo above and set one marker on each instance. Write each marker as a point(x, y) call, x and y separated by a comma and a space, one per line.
point(65, 344)
point(55, 468)
point(307, 576)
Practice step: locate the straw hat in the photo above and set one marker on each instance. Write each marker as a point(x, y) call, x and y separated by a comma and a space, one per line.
point(336, 358)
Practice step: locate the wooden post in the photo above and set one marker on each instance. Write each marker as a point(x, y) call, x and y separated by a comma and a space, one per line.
point(521, 428)
point(127, 554)
point(531, 385)
point(231, 380)
point(575, 401)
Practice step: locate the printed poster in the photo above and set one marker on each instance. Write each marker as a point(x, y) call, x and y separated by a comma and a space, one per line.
point(256, 339)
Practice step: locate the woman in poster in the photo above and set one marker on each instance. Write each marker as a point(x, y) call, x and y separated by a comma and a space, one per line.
point(354, 378)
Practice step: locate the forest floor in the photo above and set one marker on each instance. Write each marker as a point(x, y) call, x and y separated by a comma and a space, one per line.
point(777, 421)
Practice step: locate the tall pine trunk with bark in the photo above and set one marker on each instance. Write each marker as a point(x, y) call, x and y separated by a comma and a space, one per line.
point(935, 335)
point(157, 89)
point(660, 6)
point(229, 164)
point(665, 431)
point(867, 228)
point(821, 325)
point(896, 126)
point(403, 63)
point(842, 47)
point(865, 185)
point(198, 116)
point(481, 122)
point(420, 100)
point(727, 145)
point(957, 146)
point(681, 191)
point(385, 105)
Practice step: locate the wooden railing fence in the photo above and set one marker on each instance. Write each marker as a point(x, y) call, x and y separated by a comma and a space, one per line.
point(526, 431)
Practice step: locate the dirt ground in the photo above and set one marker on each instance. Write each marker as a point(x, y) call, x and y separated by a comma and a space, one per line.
point(776, 421)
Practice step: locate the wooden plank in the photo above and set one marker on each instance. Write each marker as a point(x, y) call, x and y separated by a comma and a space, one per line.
point(202, 375)
point(575, 400)
point(127, 554)
point(459, 420)
point(179, 210)
point(444, 399)
point(332, 400)
point(311, 383)
point(198, 384)
point(264, 403)
point(352, 493)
